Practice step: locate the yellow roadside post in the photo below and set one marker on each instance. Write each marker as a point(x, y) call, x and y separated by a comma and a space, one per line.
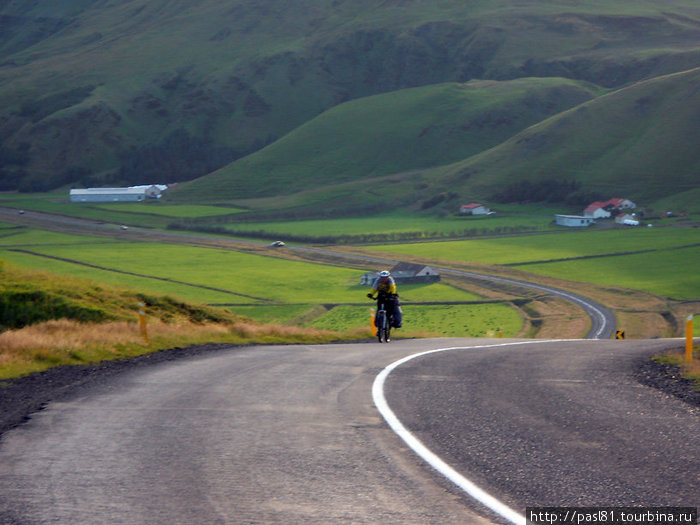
point(689, 338)
point(500, 333)
point(142, 322)
point(371, 321)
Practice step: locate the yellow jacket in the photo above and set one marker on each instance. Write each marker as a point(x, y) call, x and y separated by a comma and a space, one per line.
point(386, 286)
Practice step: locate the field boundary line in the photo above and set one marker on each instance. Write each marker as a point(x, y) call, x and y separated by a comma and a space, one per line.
point(135, 274)
point(602, 255)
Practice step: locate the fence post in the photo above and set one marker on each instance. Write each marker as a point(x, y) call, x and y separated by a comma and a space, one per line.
point(142, 322)
point(689, 338)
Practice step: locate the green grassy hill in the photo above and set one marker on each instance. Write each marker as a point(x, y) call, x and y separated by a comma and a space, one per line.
point(160, 91)
point(391, 133)
point(639, 141)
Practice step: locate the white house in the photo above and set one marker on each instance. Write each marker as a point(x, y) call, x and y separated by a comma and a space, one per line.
point(596, 210)
point(573, 221)
point(474, 208)
point(153, 191)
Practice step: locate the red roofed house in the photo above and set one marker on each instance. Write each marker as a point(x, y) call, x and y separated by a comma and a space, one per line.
point(596, 210)
point(603, 209)
point(621, 204)
point(473, 209)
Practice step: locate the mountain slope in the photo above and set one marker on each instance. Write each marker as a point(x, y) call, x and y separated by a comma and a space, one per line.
point(391, 133)
point(640, 141)
point(162, 90)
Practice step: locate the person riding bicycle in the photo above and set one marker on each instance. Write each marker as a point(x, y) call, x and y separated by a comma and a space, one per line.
point(385, 287)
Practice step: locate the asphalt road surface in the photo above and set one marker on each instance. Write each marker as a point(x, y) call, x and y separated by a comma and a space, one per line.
point(291, 434)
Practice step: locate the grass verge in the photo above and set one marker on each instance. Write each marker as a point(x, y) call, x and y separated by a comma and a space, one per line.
point(48, 320)
point(687, 369)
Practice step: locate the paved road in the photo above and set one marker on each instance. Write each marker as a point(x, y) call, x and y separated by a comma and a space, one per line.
point(290, 434)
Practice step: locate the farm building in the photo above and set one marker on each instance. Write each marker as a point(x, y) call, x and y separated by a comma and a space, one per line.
point(627, 219)
point(604, 209)
point(404, 272)
point(621, 204)
point(573, 221)
point(474, 209)
point(131, 194)
point(596, 210)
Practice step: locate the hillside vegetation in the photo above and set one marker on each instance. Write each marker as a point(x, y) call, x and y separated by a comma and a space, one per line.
point(158, 91)
point(393, 133)
point(49, 319)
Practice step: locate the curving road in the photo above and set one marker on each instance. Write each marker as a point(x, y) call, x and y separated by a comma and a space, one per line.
point(291, 434)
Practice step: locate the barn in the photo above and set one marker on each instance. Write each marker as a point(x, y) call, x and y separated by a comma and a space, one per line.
point(404, 272)
point(573, 221)
point(108, 195)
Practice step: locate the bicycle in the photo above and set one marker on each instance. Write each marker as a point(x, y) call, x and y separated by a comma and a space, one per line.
point(382, 322)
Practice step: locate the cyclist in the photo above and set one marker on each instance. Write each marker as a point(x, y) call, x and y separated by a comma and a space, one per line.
point(385, 287)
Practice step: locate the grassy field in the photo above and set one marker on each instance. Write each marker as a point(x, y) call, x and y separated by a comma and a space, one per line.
point(264, 288)
point(398, 225)
point(154, 214)
point(486, 320)
point(666, 266)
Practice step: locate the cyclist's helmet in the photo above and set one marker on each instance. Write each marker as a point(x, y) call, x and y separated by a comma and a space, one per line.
point(384, 275)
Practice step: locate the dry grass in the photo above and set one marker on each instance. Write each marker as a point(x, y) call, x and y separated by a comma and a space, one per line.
point(688, 369)
point(66, 342)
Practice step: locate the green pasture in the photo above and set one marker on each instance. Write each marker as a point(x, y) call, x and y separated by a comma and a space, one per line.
point(663, 267)
point(482, 320)
point(401, 223)
point(156, 214)
point(669, 273)
point(19, 237)
point(167, 210)
point(545, 247)
point(263, 288)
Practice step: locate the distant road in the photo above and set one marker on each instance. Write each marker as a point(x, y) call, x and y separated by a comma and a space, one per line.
point(602, 319)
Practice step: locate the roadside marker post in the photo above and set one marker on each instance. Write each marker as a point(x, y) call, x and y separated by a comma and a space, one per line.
point(142, 322)
point(371, 321)
point(689, 338)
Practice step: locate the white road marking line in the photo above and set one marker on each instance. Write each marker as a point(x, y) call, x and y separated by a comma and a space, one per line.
point(429, 456)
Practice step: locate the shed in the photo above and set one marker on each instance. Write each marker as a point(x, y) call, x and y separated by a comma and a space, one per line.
point(573, 221)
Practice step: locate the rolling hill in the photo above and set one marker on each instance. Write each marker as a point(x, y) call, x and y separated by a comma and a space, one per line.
point(392, 133)
point(640, 141)
point(137, 91)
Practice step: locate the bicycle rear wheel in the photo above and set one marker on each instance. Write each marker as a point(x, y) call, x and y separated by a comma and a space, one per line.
point(381, 325)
